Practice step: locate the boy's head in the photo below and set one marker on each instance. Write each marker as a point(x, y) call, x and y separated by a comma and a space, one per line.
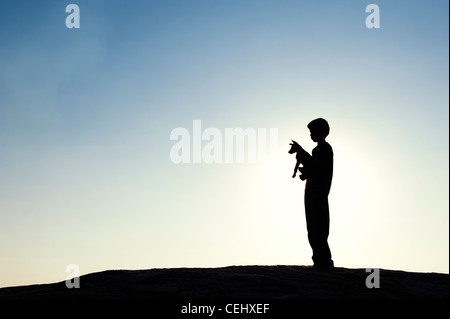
point(319, 129)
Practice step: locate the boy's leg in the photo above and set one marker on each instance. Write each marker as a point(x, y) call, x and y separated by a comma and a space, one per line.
point(318, 221)
point(323, 232)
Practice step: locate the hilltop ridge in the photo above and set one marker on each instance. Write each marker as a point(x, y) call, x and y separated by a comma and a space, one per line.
point(240, 282)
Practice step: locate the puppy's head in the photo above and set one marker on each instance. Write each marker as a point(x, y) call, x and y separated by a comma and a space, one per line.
point(294, 147)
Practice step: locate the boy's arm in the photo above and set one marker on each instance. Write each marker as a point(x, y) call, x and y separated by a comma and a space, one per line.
point(304, 157)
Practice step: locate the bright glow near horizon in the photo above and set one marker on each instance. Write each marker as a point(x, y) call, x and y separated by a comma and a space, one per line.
point(85, 119)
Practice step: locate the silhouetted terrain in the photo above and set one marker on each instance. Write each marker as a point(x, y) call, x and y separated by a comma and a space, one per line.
point(240, 282)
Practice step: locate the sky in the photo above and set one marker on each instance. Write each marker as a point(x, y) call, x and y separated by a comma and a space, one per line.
point(86, 115)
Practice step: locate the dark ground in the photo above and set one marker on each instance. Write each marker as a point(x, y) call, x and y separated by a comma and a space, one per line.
point(240, 283)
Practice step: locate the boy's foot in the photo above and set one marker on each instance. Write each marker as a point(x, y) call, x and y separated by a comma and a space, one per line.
point(324, 266)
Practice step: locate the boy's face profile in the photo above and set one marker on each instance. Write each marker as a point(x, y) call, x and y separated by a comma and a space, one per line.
point(315, 136)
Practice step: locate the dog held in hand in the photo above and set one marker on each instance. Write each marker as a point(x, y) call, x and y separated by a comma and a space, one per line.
point(295, 148)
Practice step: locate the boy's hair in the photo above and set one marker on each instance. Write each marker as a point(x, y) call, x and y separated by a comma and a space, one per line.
point(319, 126)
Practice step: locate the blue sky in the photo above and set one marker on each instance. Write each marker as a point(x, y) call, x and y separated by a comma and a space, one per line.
point(86, 114)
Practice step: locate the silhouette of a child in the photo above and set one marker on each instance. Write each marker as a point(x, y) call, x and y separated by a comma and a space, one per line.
point(318, 172)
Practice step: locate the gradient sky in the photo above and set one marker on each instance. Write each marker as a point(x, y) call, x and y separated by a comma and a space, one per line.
point(86, 114)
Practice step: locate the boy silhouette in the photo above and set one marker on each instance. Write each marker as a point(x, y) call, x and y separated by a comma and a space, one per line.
point(318, 172)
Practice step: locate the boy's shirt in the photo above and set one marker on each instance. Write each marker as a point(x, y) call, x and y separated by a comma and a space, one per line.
point(318, 168)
